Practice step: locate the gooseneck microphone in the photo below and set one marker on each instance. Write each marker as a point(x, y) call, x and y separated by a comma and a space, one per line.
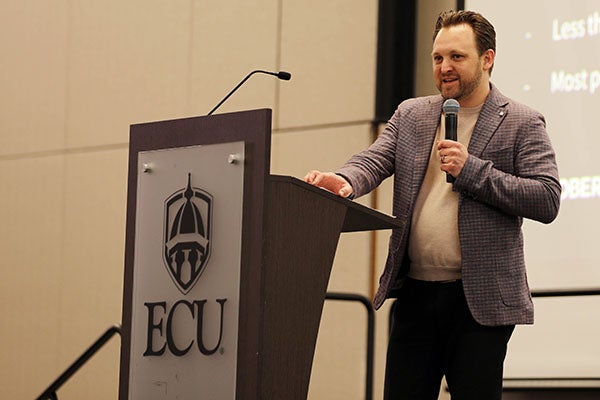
point(451, 108)
point(284, 76)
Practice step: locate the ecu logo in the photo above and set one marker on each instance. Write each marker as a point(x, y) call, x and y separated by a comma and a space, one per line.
point(187, 231)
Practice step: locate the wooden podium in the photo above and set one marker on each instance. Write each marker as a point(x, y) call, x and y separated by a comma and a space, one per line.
point(289, 232)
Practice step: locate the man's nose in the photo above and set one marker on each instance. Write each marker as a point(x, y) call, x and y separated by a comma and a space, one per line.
point(447, 65)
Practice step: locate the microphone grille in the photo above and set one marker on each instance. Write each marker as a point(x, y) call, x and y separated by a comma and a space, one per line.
point(283, 75)
point(451, 106)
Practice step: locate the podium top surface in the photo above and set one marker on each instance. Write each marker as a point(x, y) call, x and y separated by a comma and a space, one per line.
point(358, 217)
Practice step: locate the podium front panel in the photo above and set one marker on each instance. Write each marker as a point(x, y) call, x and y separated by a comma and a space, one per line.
point(186, 275)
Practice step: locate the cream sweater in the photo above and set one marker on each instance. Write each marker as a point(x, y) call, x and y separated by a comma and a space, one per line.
point(433, 245)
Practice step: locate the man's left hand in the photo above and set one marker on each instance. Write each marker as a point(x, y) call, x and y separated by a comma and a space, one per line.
point(453, 156)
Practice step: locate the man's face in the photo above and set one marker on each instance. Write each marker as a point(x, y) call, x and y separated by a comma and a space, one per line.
point(458, 69)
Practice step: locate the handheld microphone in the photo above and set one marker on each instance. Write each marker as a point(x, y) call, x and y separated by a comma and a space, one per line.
point(450, 109)
point(284, 76)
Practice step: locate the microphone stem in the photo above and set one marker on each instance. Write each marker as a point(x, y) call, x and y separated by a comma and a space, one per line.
point(237, 87)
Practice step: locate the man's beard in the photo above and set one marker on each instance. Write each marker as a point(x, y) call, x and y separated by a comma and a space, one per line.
point(465, 88)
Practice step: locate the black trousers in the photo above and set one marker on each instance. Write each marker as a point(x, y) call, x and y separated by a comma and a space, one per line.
point(433, 334)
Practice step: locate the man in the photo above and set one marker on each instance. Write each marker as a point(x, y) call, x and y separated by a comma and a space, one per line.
point(457, 267)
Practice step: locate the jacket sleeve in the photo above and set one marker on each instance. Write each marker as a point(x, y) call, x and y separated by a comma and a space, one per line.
point(367, 169)
point(520, 177)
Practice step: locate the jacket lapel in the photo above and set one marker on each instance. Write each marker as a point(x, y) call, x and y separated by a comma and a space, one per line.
point(491, 116)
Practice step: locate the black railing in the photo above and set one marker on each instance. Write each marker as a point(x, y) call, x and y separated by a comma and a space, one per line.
point(370, 334)
point(50, 392)
point(565, 292)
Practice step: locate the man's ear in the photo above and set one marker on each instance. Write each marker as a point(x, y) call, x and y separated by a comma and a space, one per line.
point(488, 58)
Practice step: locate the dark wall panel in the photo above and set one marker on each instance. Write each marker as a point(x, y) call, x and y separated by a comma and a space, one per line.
point(395, 55)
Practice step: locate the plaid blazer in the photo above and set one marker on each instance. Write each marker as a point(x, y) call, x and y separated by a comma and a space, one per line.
point(510, 174)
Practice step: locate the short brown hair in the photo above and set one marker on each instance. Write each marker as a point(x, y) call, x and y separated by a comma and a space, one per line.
point(485, 34)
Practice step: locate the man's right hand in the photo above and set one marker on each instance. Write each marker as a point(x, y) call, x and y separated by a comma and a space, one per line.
point(330, 181)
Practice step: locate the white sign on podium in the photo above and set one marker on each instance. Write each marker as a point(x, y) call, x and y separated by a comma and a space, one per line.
point(186, 280)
